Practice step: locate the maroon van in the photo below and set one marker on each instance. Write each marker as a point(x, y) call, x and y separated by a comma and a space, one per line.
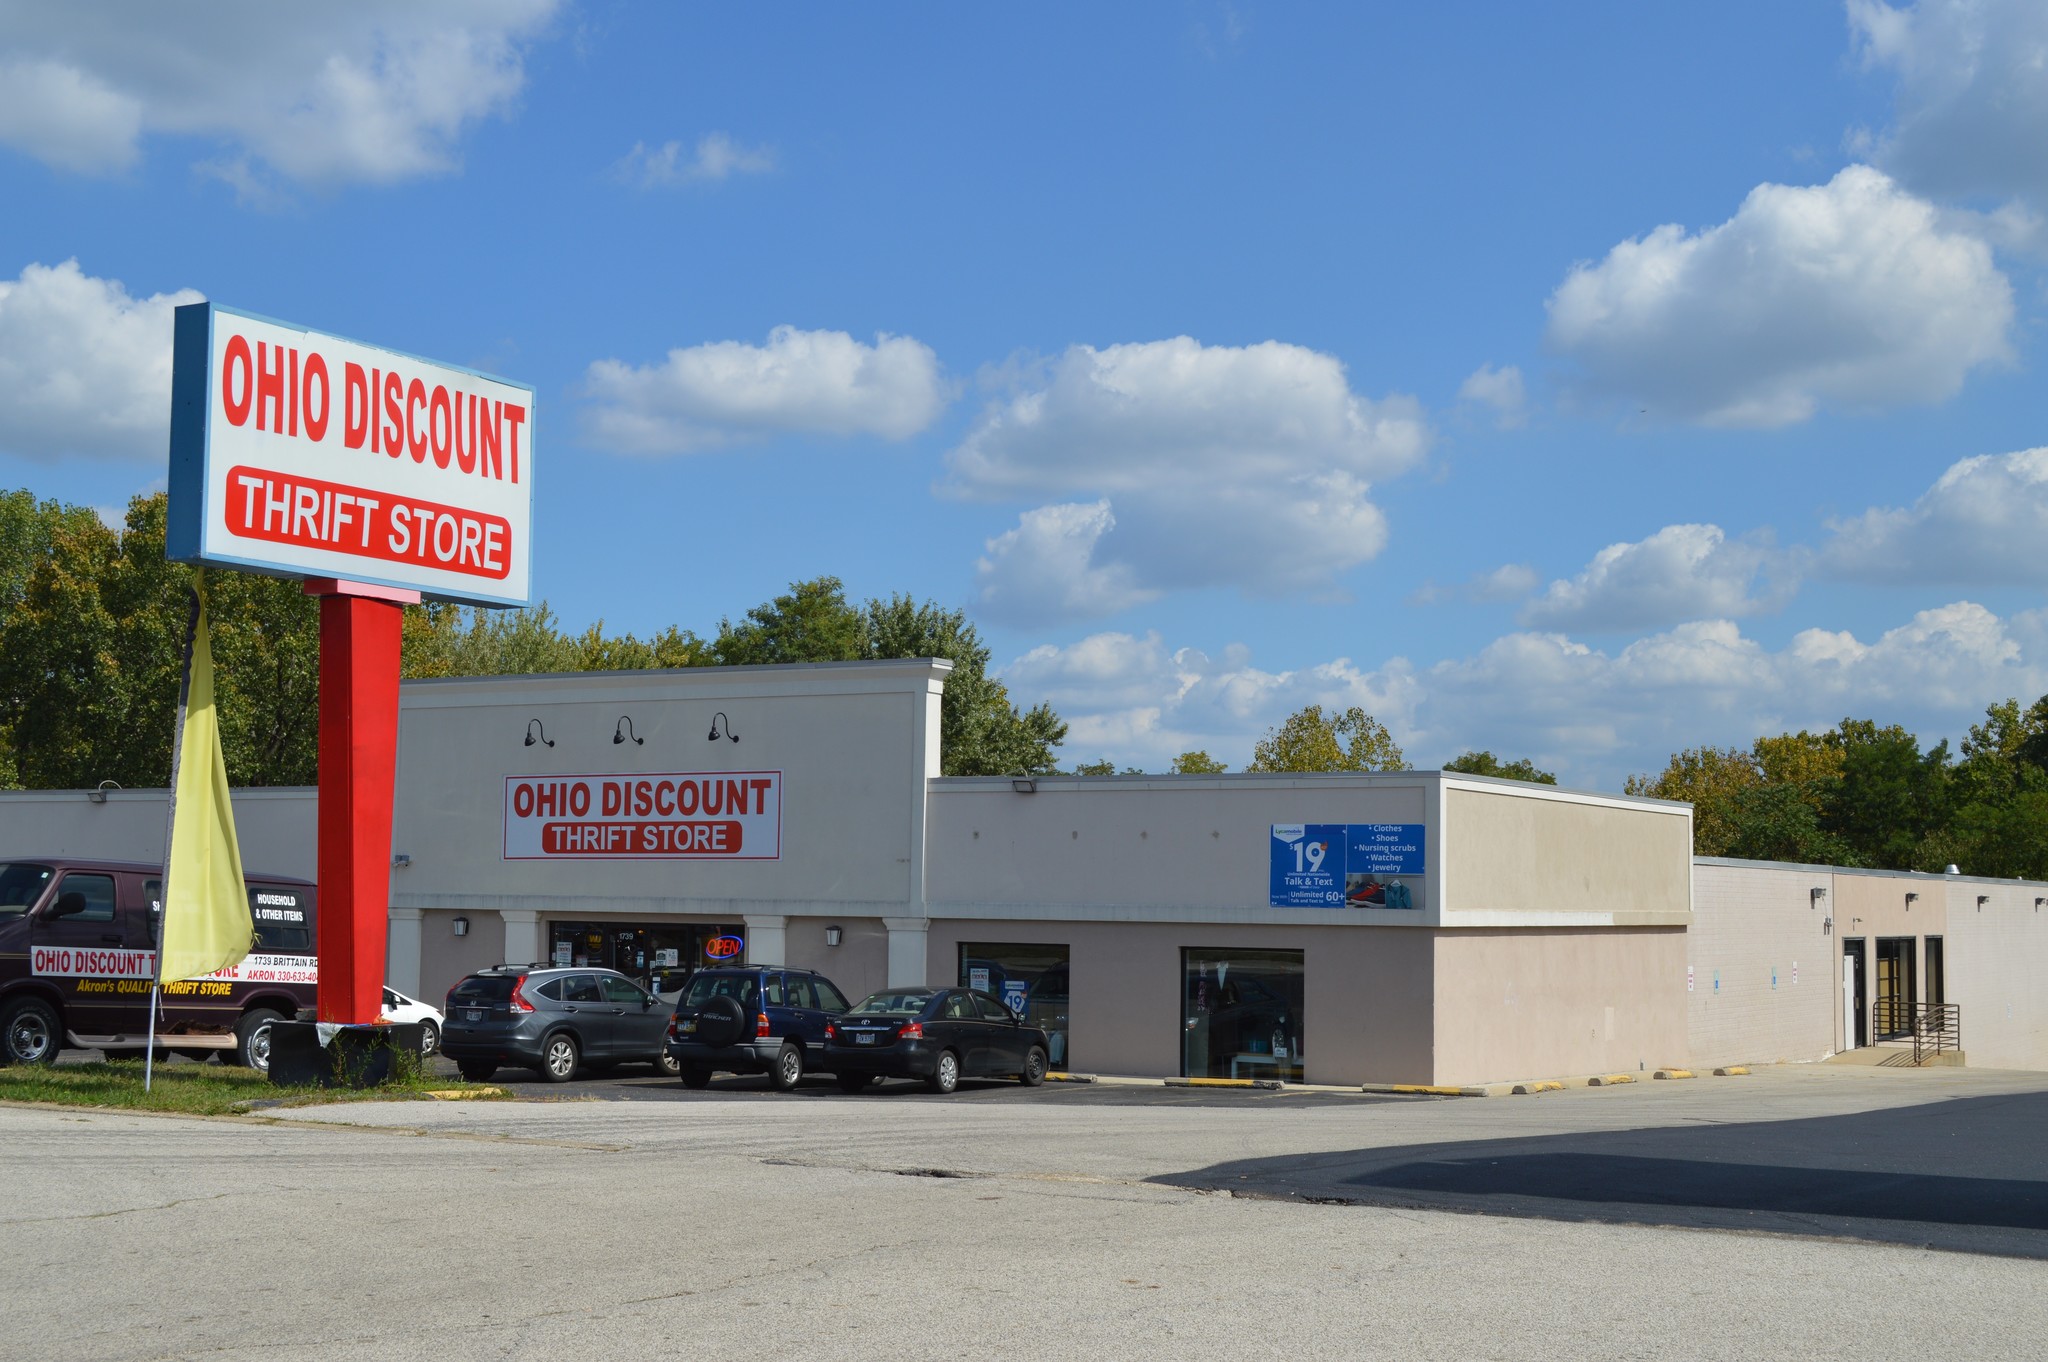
point(78, 950)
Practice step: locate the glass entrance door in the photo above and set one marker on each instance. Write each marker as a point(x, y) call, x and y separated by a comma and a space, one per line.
point(1895, 990)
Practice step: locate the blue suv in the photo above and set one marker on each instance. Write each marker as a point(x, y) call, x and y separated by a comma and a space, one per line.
point(753, 1019)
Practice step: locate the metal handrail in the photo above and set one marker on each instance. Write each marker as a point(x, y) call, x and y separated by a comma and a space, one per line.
point(1936, 1027)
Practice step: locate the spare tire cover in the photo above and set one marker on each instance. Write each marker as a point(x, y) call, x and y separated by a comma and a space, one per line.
point(721, 1022)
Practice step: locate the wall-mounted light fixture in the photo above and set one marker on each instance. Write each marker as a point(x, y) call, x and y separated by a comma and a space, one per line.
point(533, 724)
point(831, 936)
point(714, 735)
point(460, 926)
point(99, 796)
point(1815, 895)
point(400, 860)
point(624, 730)
point(2038, 903)
point(1982, 899)
point(1911, 899)
point(1023, 784)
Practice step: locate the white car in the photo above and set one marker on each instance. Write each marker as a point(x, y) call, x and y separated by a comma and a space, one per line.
point(399, 1008)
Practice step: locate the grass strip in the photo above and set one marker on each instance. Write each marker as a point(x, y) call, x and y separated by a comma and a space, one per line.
point(193, 1089)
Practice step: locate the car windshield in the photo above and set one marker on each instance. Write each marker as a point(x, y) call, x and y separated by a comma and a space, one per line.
point(704, 987)
point(21, 884)
point(895, 1002)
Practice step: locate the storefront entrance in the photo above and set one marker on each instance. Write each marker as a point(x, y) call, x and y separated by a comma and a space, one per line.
point(1895, 987)
point(1243, 1014)
point(659, 955)
point(1031, 980)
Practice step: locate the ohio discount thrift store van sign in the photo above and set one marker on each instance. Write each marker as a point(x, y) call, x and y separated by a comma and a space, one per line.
point(667, 816)
point(302, 454)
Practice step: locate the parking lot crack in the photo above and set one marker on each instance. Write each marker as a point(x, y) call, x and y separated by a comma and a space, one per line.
point(125, 1210)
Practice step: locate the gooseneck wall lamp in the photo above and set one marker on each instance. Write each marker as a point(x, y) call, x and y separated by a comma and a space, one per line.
point(99, 796)
point(624, 730)
point(531, 726)
point(714, 735)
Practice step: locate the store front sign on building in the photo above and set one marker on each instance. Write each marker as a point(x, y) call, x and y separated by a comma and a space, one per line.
point(1338, 865)
point(302, 454)
point(668, 816)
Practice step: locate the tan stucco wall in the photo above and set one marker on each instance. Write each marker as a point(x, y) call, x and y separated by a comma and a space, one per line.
point(1998, 973)
point(859, 964)
point(1366, 1003)
point(1509, 851)
point(446, 957)
point(1553, 1002)
point(1765, 971)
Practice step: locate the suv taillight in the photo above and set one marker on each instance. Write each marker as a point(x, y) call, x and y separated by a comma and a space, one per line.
point(911, 1031)
point(517, 1002)
point(761, 1031)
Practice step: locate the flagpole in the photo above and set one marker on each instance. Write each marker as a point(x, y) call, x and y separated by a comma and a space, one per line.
point(156, 982)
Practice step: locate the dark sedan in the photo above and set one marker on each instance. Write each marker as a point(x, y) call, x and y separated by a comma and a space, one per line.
point(940, 1035)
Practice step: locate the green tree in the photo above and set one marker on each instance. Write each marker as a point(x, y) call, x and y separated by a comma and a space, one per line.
point(1777, 822)
point(1311, 741)
point(981, 732)
point(1891, 798)
point(812, 623)
point(1197, 763)
point(1487, 764)
point(1710, 779)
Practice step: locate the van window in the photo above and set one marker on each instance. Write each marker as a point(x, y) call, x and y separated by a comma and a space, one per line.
point(21, 884)
point(283, 915)
point(83, 898)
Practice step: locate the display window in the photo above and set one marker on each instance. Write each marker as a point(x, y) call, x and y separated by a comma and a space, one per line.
point(1031, 980)
point(1243, 1014)
point(660, 955)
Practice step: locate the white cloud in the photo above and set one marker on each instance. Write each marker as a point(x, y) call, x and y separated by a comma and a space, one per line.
point(1682, 572)
point(375, 91)
point(1849, 293)
point(85, 370)
point(1045, 570)
point(1509, 582)
point(1594, 716)
point(821, 382)
point(1502, 389)
point(1971, 110)
point(1214, 466)
point(1982, 524)
point(716, 157)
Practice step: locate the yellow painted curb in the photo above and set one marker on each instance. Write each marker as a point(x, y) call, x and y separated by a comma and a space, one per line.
point(1209, 1082)
point(1609, 1080)
point(1732, 1071)
point(1429, 1089)
point(1674, 1073)
point(463, 1094)
point(1547, 1085)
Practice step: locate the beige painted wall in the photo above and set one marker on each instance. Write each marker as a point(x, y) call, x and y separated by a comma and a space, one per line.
point(446, 957)
point(859, 964)
point(1998, 972)
point(276, 827)
point(1765, 970)
point(1525, 852)
point(1366, 998)
point(1553, 1002)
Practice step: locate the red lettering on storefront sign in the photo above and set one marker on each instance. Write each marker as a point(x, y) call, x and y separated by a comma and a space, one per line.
point(718, 838)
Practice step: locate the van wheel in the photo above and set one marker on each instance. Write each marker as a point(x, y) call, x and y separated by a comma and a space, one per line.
point(29, 1033)
point(789, 1069)
point(945, 1074)
point(252, 1038)
point(559, 1057)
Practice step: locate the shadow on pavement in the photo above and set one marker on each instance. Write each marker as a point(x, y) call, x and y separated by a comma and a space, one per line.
point(1969, 1174)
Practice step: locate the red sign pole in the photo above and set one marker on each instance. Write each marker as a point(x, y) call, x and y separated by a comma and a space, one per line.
point(360, 627)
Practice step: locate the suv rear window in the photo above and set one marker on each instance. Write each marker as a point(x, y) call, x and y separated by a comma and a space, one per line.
point(483, 988)
point(705, 986)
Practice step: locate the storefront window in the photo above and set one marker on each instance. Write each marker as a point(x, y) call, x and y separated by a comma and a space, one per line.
point(660, 956)
point(1031, 980)
point(1243, 1014)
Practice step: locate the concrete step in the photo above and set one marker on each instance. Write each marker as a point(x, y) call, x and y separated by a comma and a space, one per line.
point(1891, 1056)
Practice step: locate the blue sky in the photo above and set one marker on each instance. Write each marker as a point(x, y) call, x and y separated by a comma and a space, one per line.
point(1577, 382)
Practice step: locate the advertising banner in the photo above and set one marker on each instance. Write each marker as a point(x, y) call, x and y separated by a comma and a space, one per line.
point(1339, 865)
point(667, 816)
point(302, 454)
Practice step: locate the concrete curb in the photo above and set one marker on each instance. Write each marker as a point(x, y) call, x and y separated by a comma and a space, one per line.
point(1673, 1073)
point(1540, 1085)
point(1261, 1084)
point(1070, 1078)
point(464, 1094)
point(1732, 1071)
point(1609, 1080)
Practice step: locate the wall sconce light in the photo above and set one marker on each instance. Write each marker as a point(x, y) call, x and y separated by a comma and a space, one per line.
point(531, 725)
point(2038, 903)
point(1023, 784)
point(714, 735)
point(624, 730)
point(1815, 895)
point(831, 936)
point(1911, 899)
point(1982, 899)
point(460, 926)
point(400, 861)
point(99, 796)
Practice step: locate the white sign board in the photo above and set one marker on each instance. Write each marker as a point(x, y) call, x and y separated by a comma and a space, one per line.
point(307, 455)
point(666, 816)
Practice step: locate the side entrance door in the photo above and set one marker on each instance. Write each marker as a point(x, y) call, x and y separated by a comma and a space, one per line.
point(80, 942)
point(1855, 999)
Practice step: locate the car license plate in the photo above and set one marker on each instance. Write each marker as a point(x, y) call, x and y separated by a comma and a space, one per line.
point(474, 1015)
point(686, 1026)
point(864, 1038)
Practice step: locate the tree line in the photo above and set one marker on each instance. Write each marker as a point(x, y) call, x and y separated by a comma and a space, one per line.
point(92, 634)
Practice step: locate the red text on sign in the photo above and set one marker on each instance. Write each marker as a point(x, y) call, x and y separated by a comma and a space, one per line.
point(316, 514)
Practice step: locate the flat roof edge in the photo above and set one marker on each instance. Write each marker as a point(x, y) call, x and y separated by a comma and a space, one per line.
point(1737, 862)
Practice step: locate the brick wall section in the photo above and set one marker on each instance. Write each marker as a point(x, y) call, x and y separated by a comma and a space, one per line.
point(1756, 931)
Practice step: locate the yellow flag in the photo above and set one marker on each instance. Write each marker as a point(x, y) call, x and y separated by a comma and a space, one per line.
point(206, 926)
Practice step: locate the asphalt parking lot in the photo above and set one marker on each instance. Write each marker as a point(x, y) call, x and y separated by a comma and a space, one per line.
point(1672, 1220)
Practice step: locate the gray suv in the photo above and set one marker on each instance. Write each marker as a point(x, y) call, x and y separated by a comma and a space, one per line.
point(555, 1020)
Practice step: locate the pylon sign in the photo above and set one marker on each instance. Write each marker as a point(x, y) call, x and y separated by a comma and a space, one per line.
point(303, 454)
